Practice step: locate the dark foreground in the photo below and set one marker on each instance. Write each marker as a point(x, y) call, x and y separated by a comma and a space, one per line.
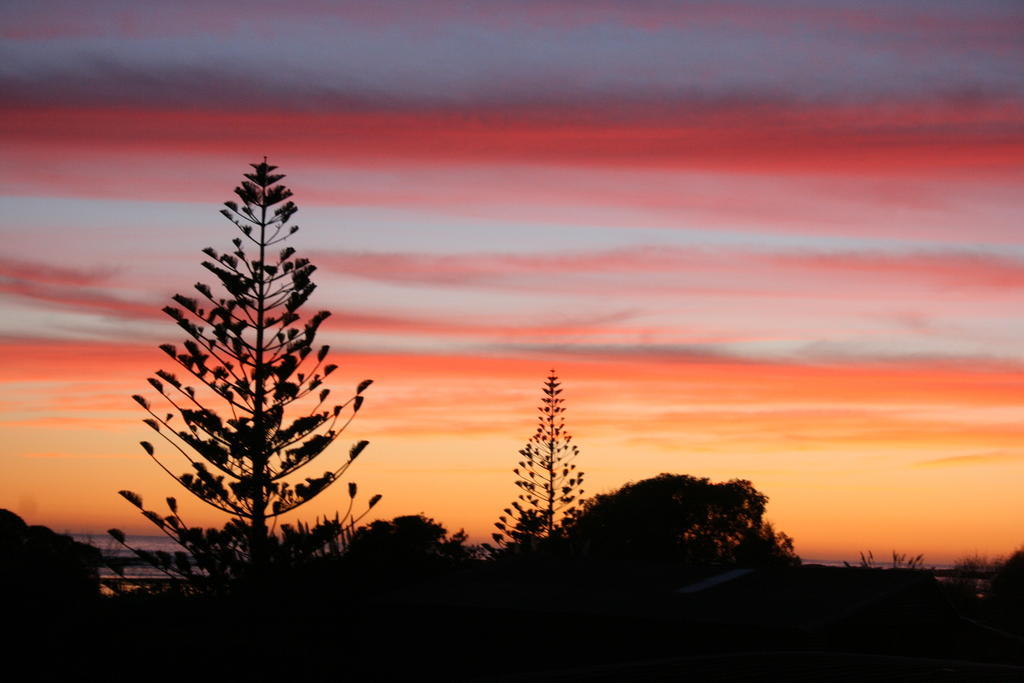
point(529, 621)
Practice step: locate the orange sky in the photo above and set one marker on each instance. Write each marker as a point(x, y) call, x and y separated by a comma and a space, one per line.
point(853, 457)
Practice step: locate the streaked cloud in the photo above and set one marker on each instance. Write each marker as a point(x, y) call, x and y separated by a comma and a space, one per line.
point(77, 456)
point(748, 136)
point(994, 458)
point(938, 269)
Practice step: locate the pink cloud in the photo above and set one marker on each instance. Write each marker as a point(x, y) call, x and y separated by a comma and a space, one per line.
point(81, 300)
point(45, 273)
point(714, 269)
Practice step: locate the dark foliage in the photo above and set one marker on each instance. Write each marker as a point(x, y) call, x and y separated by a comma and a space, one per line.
point(1008, 582)
point(252, 353)
point(897, 561)
point(39, 567)
point(1006, 595)
point(967, 585)
point(409, 543)
point(678, 518)
point(375, 559)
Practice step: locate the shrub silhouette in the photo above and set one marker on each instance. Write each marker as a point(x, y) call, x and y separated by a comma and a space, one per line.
point(1008, 581)
point(679, 518)
point(252, 353)
point(408, 545)
point(968, 582)
point(898, 561)
point(39, 567)
point(1006, 593)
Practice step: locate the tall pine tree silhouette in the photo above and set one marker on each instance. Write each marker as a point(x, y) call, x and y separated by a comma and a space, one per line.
point(549, 482)
point(252, 352)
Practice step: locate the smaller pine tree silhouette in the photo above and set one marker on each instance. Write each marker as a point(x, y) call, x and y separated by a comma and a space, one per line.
point(550, 483)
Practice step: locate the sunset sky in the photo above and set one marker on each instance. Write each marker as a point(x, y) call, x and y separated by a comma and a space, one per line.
point(780, 241)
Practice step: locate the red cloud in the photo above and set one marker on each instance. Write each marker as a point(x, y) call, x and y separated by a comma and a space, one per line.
point(930, 137)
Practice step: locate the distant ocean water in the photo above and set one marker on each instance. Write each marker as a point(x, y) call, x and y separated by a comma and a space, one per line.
point(136, 568)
